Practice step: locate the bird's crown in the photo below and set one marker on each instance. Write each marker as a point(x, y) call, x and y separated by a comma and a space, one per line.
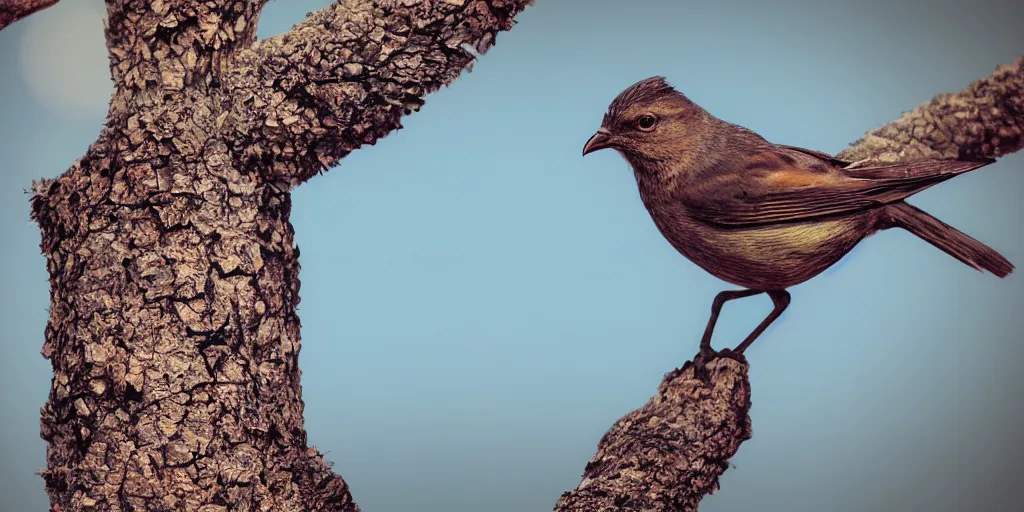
point(645, 91)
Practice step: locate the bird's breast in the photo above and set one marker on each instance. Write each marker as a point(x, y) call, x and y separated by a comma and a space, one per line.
point(763, 257)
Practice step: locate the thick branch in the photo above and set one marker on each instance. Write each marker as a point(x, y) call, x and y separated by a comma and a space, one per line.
point(667, 455)
point(160, 47)
point(14, 10)
point(344, 76)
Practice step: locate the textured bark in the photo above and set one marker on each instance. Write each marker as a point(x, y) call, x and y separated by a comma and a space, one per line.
point(14, 10)
point(346, 75)
point(985, 120)
point(173, 333)
point(669, 454)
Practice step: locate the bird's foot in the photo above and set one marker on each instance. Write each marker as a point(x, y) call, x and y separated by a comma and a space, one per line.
point(700, 364)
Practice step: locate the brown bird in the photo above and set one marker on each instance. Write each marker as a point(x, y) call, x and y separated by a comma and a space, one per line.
point(765, 216)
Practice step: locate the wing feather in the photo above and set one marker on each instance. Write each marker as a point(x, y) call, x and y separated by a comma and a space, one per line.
point(786, 184)
point(820, 155)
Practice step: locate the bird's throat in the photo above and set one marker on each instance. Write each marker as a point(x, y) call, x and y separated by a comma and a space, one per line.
point(656, 185)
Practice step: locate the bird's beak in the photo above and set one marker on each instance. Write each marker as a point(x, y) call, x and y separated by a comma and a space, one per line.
point(600, 140)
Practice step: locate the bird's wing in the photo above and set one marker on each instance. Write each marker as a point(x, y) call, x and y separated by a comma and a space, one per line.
point(780, 184)
point(820, 155)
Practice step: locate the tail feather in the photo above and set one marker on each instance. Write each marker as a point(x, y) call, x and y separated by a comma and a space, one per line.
point(947, 238)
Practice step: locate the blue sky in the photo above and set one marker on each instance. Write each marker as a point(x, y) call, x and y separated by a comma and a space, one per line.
point(480, 303)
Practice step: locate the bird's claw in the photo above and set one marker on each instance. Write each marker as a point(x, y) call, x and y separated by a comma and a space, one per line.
point(700, 364)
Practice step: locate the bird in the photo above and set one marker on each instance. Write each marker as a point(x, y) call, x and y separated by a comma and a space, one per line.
point(763, 216)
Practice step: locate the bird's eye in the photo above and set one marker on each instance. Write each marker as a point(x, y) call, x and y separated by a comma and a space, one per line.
point(646, 122)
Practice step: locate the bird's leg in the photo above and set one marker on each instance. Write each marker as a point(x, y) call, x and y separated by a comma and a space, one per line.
point(706, 352)
point(716, 309)
point(781, 300)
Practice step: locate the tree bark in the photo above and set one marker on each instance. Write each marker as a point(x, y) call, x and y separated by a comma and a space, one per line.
point(669, 454)
point(173, 333)
point(985, 120)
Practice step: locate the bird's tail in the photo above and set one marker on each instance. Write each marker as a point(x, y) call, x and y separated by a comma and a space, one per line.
point(947, 238)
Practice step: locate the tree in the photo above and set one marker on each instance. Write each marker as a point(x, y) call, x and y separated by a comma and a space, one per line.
point(173, 335)
point(174, 277)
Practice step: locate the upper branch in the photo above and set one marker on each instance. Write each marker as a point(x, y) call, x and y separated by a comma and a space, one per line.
point(14, 10)
point(985, 120)
point(345, 76)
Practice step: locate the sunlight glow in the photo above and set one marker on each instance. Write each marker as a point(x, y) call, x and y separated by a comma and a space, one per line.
point(64, 58)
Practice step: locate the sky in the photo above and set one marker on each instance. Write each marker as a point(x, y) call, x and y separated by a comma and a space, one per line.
point(480, 303)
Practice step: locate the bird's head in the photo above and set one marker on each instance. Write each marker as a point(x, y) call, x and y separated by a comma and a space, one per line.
point(651, 124)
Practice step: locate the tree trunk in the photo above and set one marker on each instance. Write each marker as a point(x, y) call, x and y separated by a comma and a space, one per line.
point(173, 332)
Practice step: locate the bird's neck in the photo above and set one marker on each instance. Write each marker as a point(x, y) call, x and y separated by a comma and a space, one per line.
point(660, 179)
point(658, 183)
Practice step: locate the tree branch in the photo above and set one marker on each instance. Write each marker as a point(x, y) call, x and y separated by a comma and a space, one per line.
point(345, 76)
point(173, 334)
point(14, 10)
point(667, 455)
point(985, 120)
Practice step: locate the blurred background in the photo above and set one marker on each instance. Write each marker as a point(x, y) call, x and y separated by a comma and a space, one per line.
point(480, 303)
